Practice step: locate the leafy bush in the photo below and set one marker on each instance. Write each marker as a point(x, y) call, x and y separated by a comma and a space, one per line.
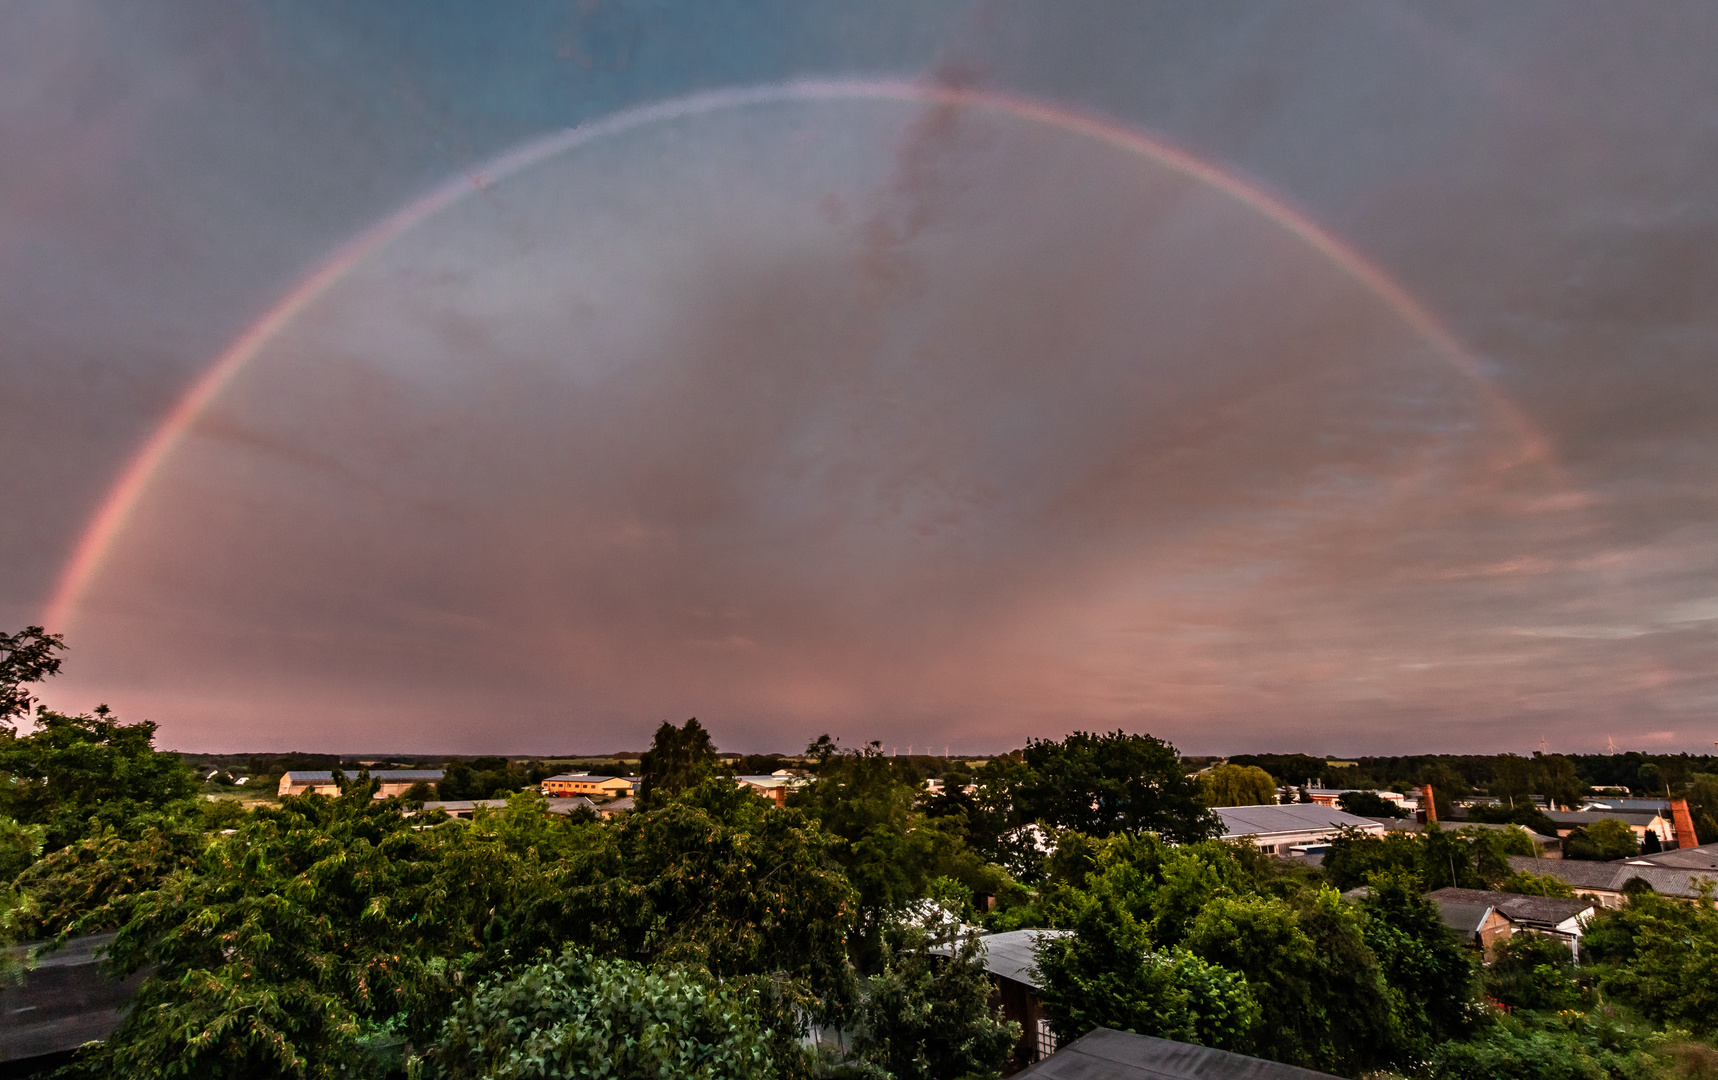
point(1603, 841)
point(1562, 1046)
point(1534, 971)
point(926, 1017)
point(581, 1016)
point(1661, 956)
point(1106, 974)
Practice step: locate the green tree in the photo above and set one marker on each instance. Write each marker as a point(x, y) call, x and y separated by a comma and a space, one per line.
point(1262, 939)
point(889, 851)
point(1421, 959)
point(1555, 778)
point(748, 889)
point(1661, 956)
point(25, 657)
point(1512, 779)
point(1368, 804)
point(19, 847)
point(603, 1019)
point(1603, 841)
point(76, 775)
point(1238, 785)
point(678, 758)
point(1107, 973)
point(926, 1017)
point(1103, 784)
point(1354, 857)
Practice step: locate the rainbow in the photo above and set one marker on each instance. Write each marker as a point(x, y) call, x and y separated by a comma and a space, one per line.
point(111, 517)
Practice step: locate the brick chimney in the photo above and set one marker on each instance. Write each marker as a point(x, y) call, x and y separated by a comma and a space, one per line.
point(1683, 822)
point(1430, 804)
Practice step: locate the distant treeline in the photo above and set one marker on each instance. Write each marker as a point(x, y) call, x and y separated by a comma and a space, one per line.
point(1644, 774)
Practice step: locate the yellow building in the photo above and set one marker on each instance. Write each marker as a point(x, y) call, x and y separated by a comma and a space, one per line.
point(567, 785)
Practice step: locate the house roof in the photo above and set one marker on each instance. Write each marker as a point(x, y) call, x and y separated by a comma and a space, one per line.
point(1641, 818)
point(1287, 818)
point(1612, 876)
point(1704, 857)
point(583, 778)
point(1517, 907)
point(326, 776)
point(1465, 917)
point(1009, 955)
point(1103, 1054)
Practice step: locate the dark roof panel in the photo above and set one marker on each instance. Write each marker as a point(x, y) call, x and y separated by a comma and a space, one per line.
point(1120, 1055)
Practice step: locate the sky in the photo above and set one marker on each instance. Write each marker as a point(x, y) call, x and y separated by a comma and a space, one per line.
point(440, 377)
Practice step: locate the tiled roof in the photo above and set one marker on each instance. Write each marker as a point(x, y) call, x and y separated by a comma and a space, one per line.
point(1521, 908)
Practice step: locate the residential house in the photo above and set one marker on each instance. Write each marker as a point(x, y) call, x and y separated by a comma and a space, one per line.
point(1282, 828)
point(393, 781)
point(567, 785)
point(1477, 922)
point(1485, 918)
point(1104, 1054)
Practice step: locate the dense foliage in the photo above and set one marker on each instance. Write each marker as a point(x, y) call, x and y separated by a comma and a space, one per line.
point(1104, 784)
point(581, 1016)
point(927, 1017)
point(702, 934)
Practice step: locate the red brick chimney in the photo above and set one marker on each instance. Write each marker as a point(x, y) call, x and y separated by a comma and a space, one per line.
point(1430, 804)
point(1683, 822)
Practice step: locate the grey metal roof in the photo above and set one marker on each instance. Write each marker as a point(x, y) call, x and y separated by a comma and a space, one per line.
point(1009, 955)
point(326, 776)
point(1587, 817)
point(1264, 821)
point(1612, 876)
point(1704, 857)
point(1104, 1054)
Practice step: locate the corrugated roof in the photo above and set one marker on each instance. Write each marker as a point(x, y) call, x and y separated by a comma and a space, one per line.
point(326, 776)
point(1287, 818)
point(1104, 1054)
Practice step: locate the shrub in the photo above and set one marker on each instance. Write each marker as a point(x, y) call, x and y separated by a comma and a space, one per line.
point(580, 1016)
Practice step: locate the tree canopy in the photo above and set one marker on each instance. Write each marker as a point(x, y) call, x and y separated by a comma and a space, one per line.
point(1110, 783)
